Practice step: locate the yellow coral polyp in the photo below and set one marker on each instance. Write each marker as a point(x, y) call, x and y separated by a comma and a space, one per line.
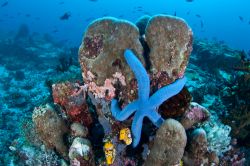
point(125, 135)
point(110, 152)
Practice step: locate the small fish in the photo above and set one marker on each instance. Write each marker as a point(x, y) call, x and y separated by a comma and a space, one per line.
point(175, 13)
point(93, 0)
point(202, 24)
point(197, 15)
point(249, 22)
point(61, 3)
point(241, 18)
point(55, 31)
point(5, 4)
point(188, 12)
point(27, 15)
point(65, 16)
point(121, 16)
point(189, 0)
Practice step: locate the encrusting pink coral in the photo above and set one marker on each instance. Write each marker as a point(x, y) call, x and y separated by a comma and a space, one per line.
point(106, 91)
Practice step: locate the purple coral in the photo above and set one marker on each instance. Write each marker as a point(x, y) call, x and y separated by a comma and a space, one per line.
point(196, 112)
point(94, 46)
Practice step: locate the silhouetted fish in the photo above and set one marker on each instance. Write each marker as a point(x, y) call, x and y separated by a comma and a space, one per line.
point(55, 31)
point(27, 15)
point(197, 15)
point(61, 3)
point(65, 16)
point(202, 24)
point(189, 0)
point(5, 4)
point(249, 22)
point(241, 18)
point(188, 12)
point(175, 13)
point(93, 0)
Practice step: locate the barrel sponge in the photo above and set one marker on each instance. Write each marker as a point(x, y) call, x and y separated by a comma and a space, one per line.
point(170, 41)
point(103, 65)
point(51, 128)
point(103, 46)
point(169, 144)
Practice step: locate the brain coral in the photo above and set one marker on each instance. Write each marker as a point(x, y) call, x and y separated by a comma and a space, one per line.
point(101, 55)
point(170, 42)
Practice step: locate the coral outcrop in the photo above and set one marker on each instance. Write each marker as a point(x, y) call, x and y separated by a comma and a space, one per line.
point(51, 128)
point(169, 144)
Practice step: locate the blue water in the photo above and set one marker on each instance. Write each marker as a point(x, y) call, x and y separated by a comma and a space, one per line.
point(220, 19)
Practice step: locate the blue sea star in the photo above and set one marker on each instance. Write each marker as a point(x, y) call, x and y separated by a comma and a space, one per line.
point(145, 105)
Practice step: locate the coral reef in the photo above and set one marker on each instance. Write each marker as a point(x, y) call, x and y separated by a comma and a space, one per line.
point(176, 105)
point(92, 122)
point(72, 97)
point(197, 151)
point(169, 144)
point(218, 135)
point(193, 115)
point(78, 130)
point(236, 97)
point(51, 128)
point(80, 153)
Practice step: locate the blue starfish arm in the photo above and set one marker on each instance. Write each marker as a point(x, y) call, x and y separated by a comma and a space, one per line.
point(122, 115)
point(167, 92)
point(140, 74)
point(136, 129)
point(155, 117)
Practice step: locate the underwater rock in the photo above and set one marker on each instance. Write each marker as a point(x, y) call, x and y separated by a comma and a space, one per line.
point(141, 23)
point(176, 105)
point(103, 66)
point(72, 98)
point(78, 130)
point(170, 42)
point(51, 128)
point(197, 151)
point(169, 144)
point(194, 114)
point(80, 153)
